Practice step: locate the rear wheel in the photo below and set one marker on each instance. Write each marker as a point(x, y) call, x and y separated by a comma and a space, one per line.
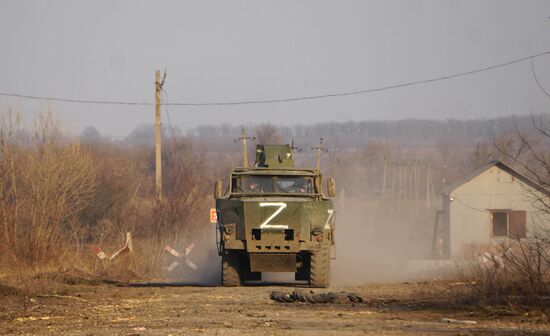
point(230, 270)
point(319, 273)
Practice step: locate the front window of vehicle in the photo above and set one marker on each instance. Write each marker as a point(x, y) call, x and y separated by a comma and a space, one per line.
point(253, 184)
point(272, 184)
point(294, 184)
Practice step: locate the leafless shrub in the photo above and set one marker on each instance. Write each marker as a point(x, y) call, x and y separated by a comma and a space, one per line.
point(44, 186)
point(515, 272)
point(529, 261)
point(486, 282)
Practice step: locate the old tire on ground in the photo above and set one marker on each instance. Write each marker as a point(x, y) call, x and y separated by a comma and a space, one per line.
point(319, 274)
point(230, 270)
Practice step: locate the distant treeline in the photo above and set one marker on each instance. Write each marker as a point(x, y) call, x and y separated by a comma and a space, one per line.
point(350, 134)
point(409, 132)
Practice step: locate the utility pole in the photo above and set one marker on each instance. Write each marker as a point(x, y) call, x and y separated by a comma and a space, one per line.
point(384, 178)
point(320, 148)
point(158, 137)
point(294, 149)
point(428, 185)
point(243, 139)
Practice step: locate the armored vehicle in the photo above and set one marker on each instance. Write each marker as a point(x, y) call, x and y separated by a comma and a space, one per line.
point(275, 218)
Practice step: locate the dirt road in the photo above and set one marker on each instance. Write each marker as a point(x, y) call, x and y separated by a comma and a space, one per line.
point(396, 309)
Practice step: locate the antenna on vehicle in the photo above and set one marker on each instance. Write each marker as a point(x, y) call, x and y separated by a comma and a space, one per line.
point(243, 139)
point(320, 148)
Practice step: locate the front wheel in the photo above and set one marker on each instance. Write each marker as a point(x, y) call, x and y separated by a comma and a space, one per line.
point(230, 270)
point(319, 274)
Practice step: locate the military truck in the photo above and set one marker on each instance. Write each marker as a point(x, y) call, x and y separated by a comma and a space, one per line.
point(275, 217)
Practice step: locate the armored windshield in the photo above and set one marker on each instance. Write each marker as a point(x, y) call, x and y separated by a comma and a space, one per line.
point(253, 184)
point(257, 184)
point(294, 184)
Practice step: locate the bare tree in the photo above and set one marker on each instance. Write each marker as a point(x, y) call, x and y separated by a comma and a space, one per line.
point(267, 134)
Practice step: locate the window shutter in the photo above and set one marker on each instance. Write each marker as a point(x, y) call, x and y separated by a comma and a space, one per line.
point(518, 224)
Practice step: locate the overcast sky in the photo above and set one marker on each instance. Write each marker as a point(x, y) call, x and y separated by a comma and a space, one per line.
point(249, 50)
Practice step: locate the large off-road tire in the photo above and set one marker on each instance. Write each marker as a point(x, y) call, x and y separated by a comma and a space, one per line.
point(246, 274)
point(231, 275)
point(319, 273)
point(303, 263)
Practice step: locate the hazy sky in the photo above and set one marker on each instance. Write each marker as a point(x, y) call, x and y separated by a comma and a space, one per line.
point(249, 50)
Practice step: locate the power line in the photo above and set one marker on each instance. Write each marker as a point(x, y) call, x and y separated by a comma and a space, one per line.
point(292, 99)
point(384, 88)
point(170, 126)
point(469, 206)
point(66, 100)
point(539, 84)
point(164, 99)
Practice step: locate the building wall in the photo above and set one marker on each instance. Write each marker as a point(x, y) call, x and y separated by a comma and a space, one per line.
point(469, 218)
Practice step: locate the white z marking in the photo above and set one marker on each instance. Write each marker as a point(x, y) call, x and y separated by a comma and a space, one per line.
point(330, 213)
point(266, 225)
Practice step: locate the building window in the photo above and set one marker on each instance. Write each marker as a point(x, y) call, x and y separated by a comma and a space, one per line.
point(500, 223)
point(511, 224)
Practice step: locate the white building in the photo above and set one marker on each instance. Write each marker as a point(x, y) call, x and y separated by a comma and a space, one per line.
point(492, 204)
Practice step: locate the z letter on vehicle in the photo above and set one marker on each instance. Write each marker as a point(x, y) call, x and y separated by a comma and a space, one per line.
point(265, 224)
point(330, 213)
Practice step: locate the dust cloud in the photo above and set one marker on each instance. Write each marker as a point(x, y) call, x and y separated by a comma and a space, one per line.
point(204, 255)
point(377, 240)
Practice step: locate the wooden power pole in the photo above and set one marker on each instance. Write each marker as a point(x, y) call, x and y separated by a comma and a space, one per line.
point(243, 139)
point(294, 149)
point(320, 149)
point(158, 137)
point(384, 178)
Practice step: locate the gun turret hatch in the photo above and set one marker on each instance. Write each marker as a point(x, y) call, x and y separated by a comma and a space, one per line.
point(274, 156)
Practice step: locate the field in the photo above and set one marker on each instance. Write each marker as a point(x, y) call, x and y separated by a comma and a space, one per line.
point(172, 309)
